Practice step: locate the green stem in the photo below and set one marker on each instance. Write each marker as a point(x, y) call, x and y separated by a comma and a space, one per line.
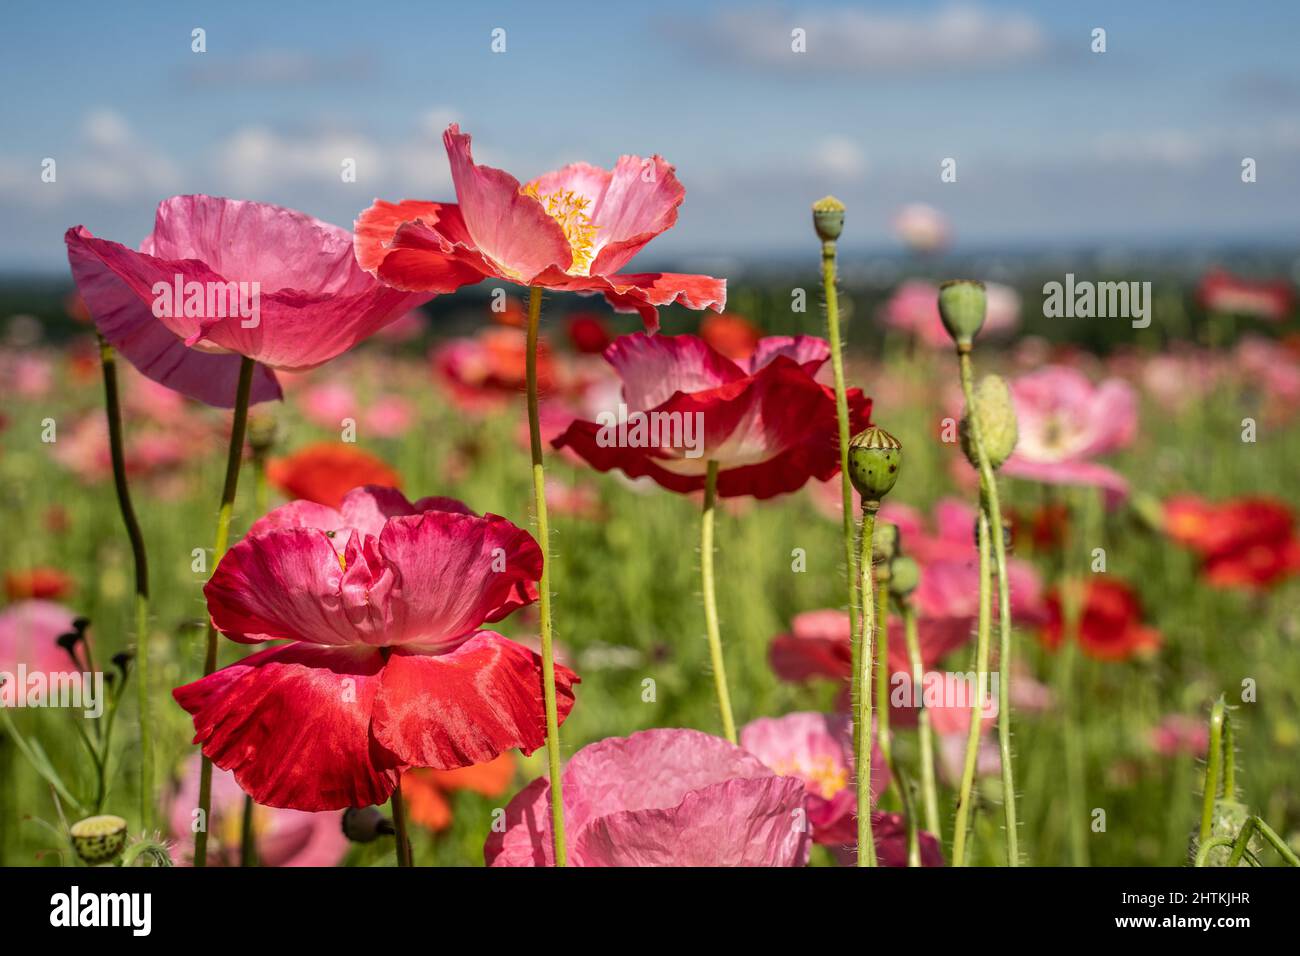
point(711, 601)
point(117, 451)
point(862, 686)
point(990, 501)
point(1218, 720)
point(400, 838)
point(842, 419)
point(247, 838)
point(544, 586)
point(965, 794)
point(1073, 593)
point(883, 734)
point(234, 458)
point(929, 790)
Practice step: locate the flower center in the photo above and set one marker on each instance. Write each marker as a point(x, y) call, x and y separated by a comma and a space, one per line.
point(823, 775)
point(570, 210)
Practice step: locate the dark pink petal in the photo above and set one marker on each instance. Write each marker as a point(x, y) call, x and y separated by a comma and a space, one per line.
point(293, 725)
point(511, 229)
point(283, 584)
point(654, 367)
point(447, 711)
point(116, 284)
point(453, 572)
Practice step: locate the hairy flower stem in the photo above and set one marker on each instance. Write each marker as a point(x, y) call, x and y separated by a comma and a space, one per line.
point(401, 841)
point(925, 738)
point(544, 586)
point(711, 601)
point(247, 838)
point(991, 504)
point(234, 459)
point(965, 793)
point(842, 417)
point(112, 405)
point(1213, 757)
point(866, 634)
point(883, 735)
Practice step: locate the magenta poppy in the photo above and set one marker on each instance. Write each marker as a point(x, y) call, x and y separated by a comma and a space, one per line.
point(767, 420)
point(571, 230)
point(386, 668)
point(660, 798)
point(221, 278)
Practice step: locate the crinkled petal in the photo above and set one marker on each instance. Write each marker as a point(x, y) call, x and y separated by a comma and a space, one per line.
point(293, 725)
point(446, 711)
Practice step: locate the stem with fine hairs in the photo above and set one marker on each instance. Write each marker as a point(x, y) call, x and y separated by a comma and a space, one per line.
point(862, 685)
point(117, 450)
point(965, 793)
point(711, 601)
point(234, 459)
point(929, 790)
point(544, 586)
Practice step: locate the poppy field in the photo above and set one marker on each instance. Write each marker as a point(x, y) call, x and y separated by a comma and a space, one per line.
point(459, 535)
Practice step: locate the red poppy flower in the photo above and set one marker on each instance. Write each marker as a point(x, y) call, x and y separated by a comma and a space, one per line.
point(38, 583)
point(588, 334)
point(1111, 627)
point(572, 230)
point(1246, 543)
point(1270, 300)
point(326, 471)
point(735, 337)
point(385, 668)
point(766, 420)
point(490, 368)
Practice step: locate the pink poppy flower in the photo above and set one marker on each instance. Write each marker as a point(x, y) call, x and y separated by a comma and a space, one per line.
point(921, 227)
point(817, 749)
point(767, 420)
point(282, 837)
point(571, 230)
point(386, 669)
point(1179, 734)
point(313, 301)
point(328, 404)
point(1066, 422)
point(660, 798)
point(28, 634)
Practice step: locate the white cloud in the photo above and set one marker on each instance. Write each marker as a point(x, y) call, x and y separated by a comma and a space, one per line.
point(839, 158)
point(958, 36)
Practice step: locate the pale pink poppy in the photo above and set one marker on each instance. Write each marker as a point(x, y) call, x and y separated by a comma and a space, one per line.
point(660, 798)
point(29, 631)
point(1180, 734)
point(817, 749)
point(281, 837)
point(914, 309)
point(1066, 422)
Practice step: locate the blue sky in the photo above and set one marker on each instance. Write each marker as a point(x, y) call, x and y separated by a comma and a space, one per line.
point(1054, 144)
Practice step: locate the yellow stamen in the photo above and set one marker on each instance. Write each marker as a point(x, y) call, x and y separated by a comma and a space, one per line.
point(570, 210)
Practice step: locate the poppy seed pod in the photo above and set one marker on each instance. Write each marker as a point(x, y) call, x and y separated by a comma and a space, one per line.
point(962, 304)
point(828, 218)
point(98, 839)
point(997, 420)
point(904, 576)
point(874, 459)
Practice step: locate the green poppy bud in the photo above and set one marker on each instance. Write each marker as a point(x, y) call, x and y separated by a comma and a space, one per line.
point(884, 543)
point(99, 839)
point(962, 304)
point(828, 218)
point(904, 576)
point(997, 419)
point(874, 459)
